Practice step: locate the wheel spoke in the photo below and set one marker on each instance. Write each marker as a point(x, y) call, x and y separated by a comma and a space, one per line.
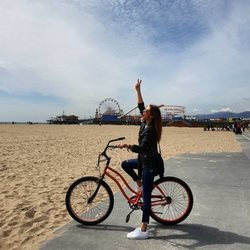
point(77, 201)
point(178, 197)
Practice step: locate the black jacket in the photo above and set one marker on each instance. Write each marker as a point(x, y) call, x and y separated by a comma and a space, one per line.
point(147, 144)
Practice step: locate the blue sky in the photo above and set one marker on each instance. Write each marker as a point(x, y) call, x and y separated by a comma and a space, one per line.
point(71, 54)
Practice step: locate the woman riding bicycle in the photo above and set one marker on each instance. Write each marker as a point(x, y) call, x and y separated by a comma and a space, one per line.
point(149, 135)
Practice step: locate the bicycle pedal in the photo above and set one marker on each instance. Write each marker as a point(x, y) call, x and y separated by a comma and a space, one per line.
point(127, 218)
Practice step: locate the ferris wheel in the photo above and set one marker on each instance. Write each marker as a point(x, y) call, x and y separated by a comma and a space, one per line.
point(109, 106)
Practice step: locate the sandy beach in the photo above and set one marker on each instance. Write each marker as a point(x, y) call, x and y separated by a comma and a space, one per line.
point(38, 163)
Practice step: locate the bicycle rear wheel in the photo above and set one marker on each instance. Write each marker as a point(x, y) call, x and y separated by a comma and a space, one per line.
point(84, 210)
point(171, 200)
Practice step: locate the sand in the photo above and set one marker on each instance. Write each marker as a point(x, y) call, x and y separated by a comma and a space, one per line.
point(38, 163)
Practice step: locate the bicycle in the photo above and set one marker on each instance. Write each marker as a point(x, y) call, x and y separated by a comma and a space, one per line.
point(90, 200)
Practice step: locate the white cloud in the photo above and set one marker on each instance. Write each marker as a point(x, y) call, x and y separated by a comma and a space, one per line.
point(76, 52)
point(215, 69)
point(47, 50)
point(196, 111)
point(227, 109)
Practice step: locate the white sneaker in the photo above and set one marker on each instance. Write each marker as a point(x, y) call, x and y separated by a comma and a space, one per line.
point(137, 234)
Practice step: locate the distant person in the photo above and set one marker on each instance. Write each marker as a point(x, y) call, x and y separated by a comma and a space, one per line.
point(238, 129)
point(234, 127)
point(243, 127)
point(149, 135)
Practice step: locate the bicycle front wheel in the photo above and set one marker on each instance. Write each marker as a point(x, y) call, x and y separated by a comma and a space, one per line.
point(171, 201)
point(87, 206)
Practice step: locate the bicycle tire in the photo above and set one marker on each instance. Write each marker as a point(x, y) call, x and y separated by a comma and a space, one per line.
point(171, 200)
point(77, 200)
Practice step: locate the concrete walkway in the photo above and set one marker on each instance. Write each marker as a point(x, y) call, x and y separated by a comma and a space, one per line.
point(220, 218)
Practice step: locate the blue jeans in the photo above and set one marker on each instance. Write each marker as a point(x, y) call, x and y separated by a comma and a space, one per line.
point(129, 167)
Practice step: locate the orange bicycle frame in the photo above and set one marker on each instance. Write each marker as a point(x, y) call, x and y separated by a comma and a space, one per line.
point(109, 171)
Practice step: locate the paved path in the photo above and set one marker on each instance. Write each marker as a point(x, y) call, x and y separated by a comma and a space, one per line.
point(220, 218)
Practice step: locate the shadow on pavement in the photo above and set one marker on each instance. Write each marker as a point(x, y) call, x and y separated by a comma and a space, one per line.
point(196, 234)
point(199, 235)
point(103, 227)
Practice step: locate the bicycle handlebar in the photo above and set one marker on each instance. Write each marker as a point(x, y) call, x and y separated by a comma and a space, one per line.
point(118, 139)
point(107, 158)
point(107, 146)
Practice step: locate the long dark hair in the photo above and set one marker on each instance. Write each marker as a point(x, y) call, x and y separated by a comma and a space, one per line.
point(156, 120)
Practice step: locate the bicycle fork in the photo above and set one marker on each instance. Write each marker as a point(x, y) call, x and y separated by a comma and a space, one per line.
point(92, 197)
